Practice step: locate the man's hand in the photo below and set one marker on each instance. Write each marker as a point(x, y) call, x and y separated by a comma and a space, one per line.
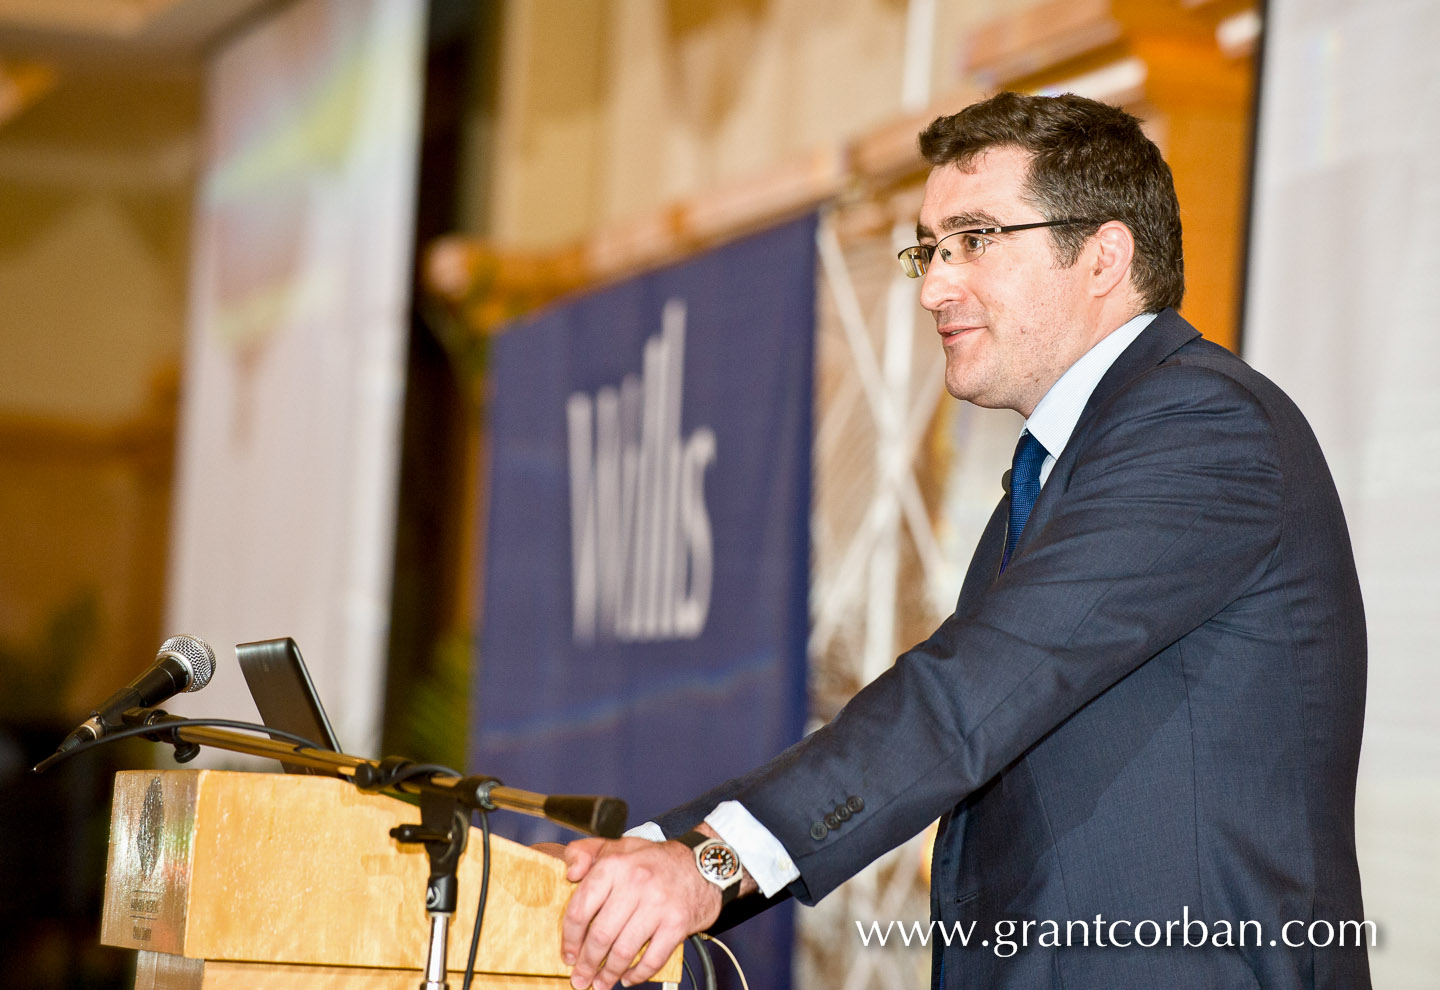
point(632, 891)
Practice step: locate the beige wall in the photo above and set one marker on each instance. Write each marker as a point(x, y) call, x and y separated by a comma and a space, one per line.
point(611, 110)
point(94, 202)
point(95, 182)
point(609, 113)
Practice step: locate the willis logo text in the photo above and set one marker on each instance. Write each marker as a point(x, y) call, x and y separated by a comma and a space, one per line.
point(641, 549)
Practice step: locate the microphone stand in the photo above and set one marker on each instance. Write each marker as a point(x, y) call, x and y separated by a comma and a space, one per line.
point(587, 813)
point(445, 803)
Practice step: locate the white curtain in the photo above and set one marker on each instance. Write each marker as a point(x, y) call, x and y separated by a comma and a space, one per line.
point(284, 511)
point(1344, 293)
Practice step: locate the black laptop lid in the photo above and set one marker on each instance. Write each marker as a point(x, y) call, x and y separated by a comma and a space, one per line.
point(284, 693)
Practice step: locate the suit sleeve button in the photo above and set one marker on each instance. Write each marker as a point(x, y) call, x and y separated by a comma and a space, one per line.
point(855, 803)
point(818, 830)
point(842, 812)
point(831, 822)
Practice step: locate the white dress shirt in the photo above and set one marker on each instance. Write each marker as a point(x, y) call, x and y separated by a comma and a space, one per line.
point(1051, 422)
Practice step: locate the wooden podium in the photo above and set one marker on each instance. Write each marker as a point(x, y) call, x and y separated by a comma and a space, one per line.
point(267, 881)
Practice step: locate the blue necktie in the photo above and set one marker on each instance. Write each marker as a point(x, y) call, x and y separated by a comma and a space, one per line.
point(1024, 489)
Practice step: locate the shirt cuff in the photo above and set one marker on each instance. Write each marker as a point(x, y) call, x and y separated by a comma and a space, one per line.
point(647, 830)
point(759, 851)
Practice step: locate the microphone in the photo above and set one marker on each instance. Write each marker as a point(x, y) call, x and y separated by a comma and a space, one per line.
point(184, 663)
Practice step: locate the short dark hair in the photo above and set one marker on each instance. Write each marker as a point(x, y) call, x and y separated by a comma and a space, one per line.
point(1088, 159)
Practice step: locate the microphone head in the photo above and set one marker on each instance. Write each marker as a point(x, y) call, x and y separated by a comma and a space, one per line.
point(195, 654)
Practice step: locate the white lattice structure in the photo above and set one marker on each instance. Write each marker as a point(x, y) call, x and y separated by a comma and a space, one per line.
point(897, 509)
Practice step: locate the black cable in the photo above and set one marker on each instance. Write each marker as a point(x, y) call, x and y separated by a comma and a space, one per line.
point(429, 768)
point(161, 727)
point(707, 965)
point(479, 907)
point(420, 770)
point(684, 962)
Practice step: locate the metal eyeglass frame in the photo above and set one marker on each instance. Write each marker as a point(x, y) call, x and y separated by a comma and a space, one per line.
point(916, 258)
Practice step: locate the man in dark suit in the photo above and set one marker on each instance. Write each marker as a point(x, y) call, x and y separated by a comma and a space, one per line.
point(1143, 720)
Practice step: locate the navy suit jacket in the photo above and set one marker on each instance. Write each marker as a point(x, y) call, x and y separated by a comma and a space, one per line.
point(1153, 715)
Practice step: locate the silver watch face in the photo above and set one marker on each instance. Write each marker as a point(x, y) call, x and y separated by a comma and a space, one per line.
point(717, 862)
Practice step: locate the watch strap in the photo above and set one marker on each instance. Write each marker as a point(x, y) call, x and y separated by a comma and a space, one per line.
point(693, 838)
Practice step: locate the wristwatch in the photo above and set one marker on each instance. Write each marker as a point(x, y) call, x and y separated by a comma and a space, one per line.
point(716, 862)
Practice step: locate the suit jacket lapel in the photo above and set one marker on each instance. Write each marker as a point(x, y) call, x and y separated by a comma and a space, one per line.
point(985, 562)
point(1166, 334)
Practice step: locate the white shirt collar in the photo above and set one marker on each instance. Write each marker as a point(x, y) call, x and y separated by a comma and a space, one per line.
point(1055, 416)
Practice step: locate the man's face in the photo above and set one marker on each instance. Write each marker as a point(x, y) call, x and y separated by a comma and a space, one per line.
point(1011, 322)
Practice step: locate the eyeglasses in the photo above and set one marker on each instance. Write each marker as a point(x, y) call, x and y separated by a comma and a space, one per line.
point(971, 245)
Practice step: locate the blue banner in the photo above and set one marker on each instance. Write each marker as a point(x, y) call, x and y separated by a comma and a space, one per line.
point(647, 554)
